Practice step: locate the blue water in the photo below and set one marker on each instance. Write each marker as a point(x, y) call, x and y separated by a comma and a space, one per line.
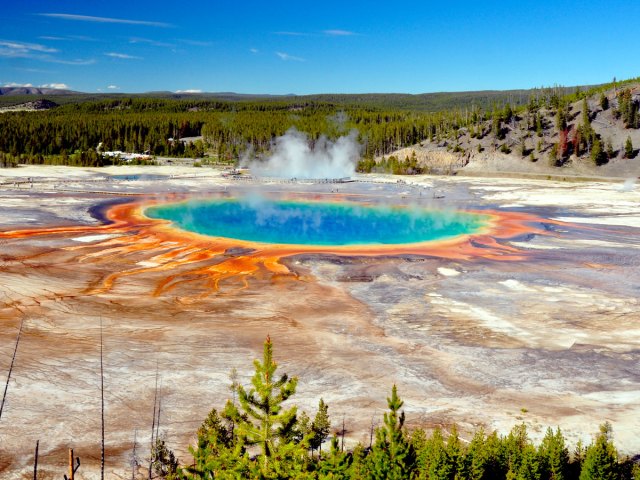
point(315, 223)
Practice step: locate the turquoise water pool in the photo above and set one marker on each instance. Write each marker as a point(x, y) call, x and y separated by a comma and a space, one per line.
point(316, 223)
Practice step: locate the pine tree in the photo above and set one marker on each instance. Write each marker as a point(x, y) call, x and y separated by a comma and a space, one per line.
point(520, 455)
point(628, 148)
point(418, 442)
point(554, 456)
point(360, 464)
point(597, 155)
point(553, 155)
point(538, 125)
point(507, 113)
point(601, 459)
point(604, 102)
point(575, 141)
point(609, 149)
point(165, 463)
point(577, 458)
point(476, 459)
point(303, 428)
point(216, 451)
point(214, 431)
point(265, 423)
point(496, 465)
point(392, 456)
point(455, 453)
point(586, 116)
point(523, 147)
point(320, 426)
point(529, 468)
point(496, 126)
point(335, 466)
point(561, 119)
point(439, 466)
point(628, 108)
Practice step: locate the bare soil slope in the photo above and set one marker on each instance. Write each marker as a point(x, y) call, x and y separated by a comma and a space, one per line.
point(520, 149)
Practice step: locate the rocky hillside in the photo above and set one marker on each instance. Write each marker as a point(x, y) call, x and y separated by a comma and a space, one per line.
point(592, 134)
point(37, 105)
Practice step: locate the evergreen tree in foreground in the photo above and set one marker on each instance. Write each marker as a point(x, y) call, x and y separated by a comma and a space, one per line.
point(392, 456)
point(216, 455)
point(320, 426)
point(554, 456)
point(336, 465)
point(601, 460)
point(262, 421)
point(165, 463)
point(261, 439)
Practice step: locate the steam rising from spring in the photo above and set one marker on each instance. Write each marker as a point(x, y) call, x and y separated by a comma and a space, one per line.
point(293, 156)
point(628, 185)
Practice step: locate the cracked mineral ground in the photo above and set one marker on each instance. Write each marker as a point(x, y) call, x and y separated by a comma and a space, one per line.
point(537, 324)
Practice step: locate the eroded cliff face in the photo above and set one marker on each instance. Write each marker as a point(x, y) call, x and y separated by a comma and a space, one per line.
point(525, 144)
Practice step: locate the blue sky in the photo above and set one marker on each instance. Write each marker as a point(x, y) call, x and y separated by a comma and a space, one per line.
point(316, 47)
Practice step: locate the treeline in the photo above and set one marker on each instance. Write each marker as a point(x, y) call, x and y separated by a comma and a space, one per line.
point(88, 158)
point(8, 161)
point(157, 126)
point(408, 166)
point(259, 437)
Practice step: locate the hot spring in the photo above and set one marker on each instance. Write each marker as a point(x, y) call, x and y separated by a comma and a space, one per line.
point(296, 222)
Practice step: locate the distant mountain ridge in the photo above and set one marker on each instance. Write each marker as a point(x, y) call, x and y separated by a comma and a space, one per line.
point(10, 91)
point(424, 102)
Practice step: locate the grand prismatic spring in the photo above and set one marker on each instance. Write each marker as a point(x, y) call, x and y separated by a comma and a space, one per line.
point(489, 302)
point(316, 223)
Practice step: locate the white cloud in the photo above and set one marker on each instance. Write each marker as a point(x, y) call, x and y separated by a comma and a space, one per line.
point(82, 38)
point(153, 43)
point(35, 51)
point(122, 55)
point(9, 48)
point(330, 33)
point(56, 86)
point(190, 90)
point(89, 18)
point(77, 61)
point(286, 57)
point(113, 87)
point(35, 70)
point(338, 33)
point(254, 50)
point(17, 85)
